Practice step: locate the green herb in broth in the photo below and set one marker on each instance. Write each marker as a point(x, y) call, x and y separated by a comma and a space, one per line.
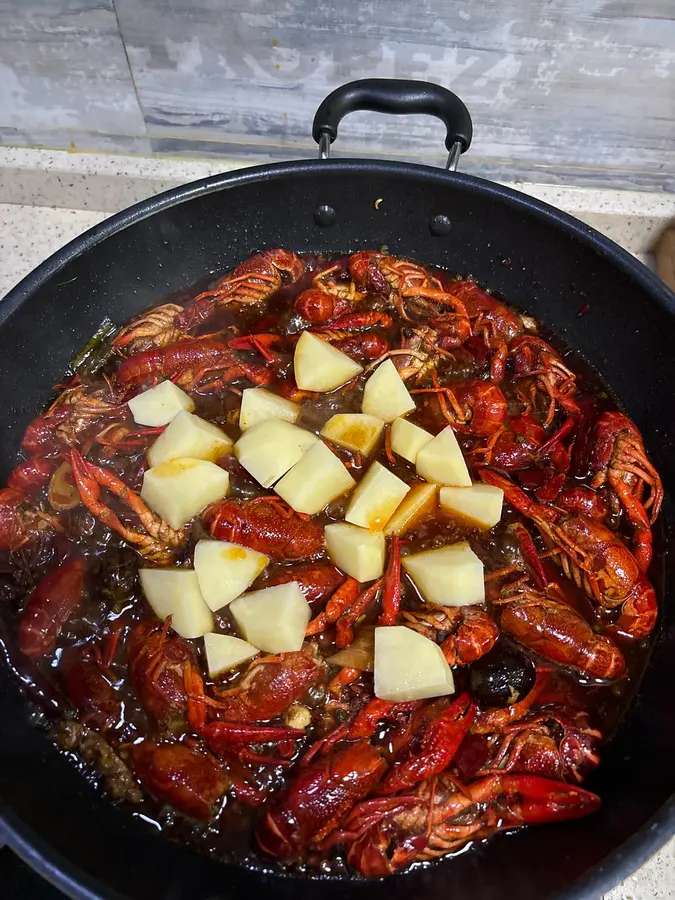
point(97, 351)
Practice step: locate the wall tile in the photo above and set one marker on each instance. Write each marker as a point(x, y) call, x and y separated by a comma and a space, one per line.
point(562, 91)
point(566, 84)
point(63, 72)
point(75, 139)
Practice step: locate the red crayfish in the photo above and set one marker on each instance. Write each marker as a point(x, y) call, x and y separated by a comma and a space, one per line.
point(412, 289)
point(493, 324)
point(76, 410)
point(186, 363)
point(252, 282)
point(551, 627)
point(155, 328)
point(471, 407)
point(51, 604)
point(330, 296)
point(183, 776)
point(266, 525)
point(156, 541)
point(593, 557)
point(535, 360)
point(21, 520)
point(385, 834)
point(317, 581)
point(619, 460)
point(471, 631)
point(317, 799)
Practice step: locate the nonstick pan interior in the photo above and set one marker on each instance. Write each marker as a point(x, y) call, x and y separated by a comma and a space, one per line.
point(541, 261)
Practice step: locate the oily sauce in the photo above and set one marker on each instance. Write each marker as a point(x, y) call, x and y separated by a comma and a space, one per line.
point(113, 601)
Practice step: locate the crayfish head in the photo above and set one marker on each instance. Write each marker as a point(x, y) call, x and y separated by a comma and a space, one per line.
point(287, 262)
point(365, 271)
point(373, 856)
point(222, 519)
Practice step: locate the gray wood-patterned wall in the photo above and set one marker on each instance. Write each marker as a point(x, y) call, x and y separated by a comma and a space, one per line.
point(575, 90)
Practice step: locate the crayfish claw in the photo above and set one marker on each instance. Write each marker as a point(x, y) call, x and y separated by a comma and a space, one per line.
point(157, 543)
point(533, 800)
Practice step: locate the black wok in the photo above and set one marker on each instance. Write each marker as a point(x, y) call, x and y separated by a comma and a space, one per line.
point(542, 260)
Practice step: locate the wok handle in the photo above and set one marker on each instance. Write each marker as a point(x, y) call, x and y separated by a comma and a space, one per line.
point(398, 97)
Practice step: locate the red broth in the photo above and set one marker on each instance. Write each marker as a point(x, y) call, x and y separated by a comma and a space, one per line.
point(83, 688)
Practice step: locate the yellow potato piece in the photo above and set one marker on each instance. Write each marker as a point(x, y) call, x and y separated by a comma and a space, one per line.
point(189, 436)
point(385, 395)
point(480, 504)
point(442, 461)
point(416, 504)
point(269, 449)
point(409, 666)
point(318, 366)
point(274, 619)
point(357, 551)
point(226, 570)
point(355, 431)
point(408, 439)
point(376, 498)
point(315, 481)
point(179, 489)
point(175, 593)
point(225, 652)
point(450, 575)
point(159, 405)
point(257, 405)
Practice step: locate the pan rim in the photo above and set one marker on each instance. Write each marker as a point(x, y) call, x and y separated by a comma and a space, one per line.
point(587, 235)
point(622, 860)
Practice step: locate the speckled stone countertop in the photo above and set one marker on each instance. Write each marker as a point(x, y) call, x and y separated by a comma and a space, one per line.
point(49, 197)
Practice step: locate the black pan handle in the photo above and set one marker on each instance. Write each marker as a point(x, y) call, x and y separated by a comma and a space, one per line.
point(398, 97)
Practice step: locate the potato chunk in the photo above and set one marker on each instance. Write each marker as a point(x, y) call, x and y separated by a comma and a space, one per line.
point(226, 570)
point(179, 489)
point(376, 498)
point(409, 666)
point(320, 367)
point(274, 619)
point(257, 405)
point(442, 461)
point(315, 481)
point(416, 504)
point(269, 449)
point(189, 436)
point(357, 551)
point(385, 394)
point(355, 431)
point(480, 504)
point(160, 404)
point(408, 439)
point(224, 652)
point(175, 593)
point(450, 575)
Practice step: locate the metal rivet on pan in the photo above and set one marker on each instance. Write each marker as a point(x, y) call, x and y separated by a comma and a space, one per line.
point(440, 225)
point(325, 215)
